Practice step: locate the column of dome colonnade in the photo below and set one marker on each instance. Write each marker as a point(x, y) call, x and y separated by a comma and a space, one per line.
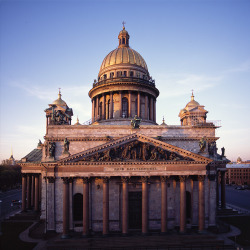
point(165, 183)
point(124, 87)
point(30, 192)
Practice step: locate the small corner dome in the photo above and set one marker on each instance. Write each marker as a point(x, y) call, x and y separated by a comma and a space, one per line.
point(192, 104)
point(59, 101)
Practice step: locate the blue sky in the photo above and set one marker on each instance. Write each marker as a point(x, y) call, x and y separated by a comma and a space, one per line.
point(189, 44)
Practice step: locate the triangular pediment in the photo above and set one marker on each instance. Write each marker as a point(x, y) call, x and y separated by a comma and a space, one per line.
point(135, 147)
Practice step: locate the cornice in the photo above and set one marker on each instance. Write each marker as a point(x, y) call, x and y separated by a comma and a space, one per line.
point(122, 163)
point(52, 138)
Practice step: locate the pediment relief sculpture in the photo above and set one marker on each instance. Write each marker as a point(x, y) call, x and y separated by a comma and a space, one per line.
point(135, 151)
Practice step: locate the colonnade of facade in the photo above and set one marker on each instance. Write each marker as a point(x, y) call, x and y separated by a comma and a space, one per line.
point(125, 205)
point(31, 192)
point(103, 106)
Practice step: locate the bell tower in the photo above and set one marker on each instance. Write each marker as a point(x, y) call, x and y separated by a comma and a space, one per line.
point(193, 113)
point(58, 112)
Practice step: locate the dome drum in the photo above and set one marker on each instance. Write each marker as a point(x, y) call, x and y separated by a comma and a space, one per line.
point(122, 106)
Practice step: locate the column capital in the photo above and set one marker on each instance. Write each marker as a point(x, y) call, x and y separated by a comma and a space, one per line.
point(51, 179)
point(182, 178)
point(66, 180)
point(211, 177)
point(144, 179)
point(201, 177)
point(105, 179)
point(125, 179)
point(85, 180)
point(164, 178)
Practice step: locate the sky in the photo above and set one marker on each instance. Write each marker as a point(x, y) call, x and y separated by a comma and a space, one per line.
point(202, 45)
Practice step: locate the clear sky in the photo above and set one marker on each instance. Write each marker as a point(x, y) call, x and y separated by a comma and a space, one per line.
point(187, 44)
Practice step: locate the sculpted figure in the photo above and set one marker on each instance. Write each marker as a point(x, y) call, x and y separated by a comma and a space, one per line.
point(134, 154)
point(172, 156)
point(202, 144)
point(66, 145)
point(144, 151)
point(52, 147)
point(212, 148)
point(135, 123)
point(106, 156)
point(125, 152)
point(154, 154)
point(162, 155)
point(46, 148)
point(222, 151)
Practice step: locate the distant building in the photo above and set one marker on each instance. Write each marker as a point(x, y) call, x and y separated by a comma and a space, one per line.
point(11, 161)
point(238, 173)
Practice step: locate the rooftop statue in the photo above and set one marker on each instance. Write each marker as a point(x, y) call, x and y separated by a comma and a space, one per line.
point(202, 144)
point(135, 123)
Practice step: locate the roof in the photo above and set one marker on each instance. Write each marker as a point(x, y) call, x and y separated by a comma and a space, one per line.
point(238, 165)
point(34, 156)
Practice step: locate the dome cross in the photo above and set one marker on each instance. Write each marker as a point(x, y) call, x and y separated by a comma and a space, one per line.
point(123, 25)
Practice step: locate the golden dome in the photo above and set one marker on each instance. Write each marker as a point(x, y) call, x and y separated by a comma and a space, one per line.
point(59, 101)
point(123, 54)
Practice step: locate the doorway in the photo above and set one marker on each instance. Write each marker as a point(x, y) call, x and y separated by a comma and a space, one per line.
point(135, 210)
point(77, 207)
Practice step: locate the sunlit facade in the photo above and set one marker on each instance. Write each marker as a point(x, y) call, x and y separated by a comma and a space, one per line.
point(122, 171)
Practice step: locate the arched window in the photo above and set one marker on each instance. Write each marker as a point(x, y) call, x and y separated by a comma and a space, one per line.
point(124, 107)
point(77, 207)
point(123, 40)
point(131, 73)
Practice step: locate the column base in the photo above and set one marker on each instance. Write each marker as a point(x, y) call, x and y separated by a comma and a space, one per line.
point(105, 235)
point(182, 232)
point(65, 236)
point(202, 231)
point(145, 234)
point(163, 233)
point(85, 236)
point(124, 234)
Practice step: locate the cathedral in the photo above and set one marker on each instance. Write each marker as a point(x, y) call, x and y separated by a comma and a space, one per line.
point(121, 171)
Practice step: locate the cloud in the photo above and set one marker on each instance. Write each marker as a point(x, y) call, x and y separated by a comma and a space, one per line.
point(243, 67)
point(173, 85)
point(48, 93)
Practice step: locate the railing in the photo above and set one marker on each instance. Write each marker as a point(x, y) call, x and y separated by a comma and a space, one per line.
point(125, 79)
point(205, 124)
point(88, 122)
point(216, 123)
